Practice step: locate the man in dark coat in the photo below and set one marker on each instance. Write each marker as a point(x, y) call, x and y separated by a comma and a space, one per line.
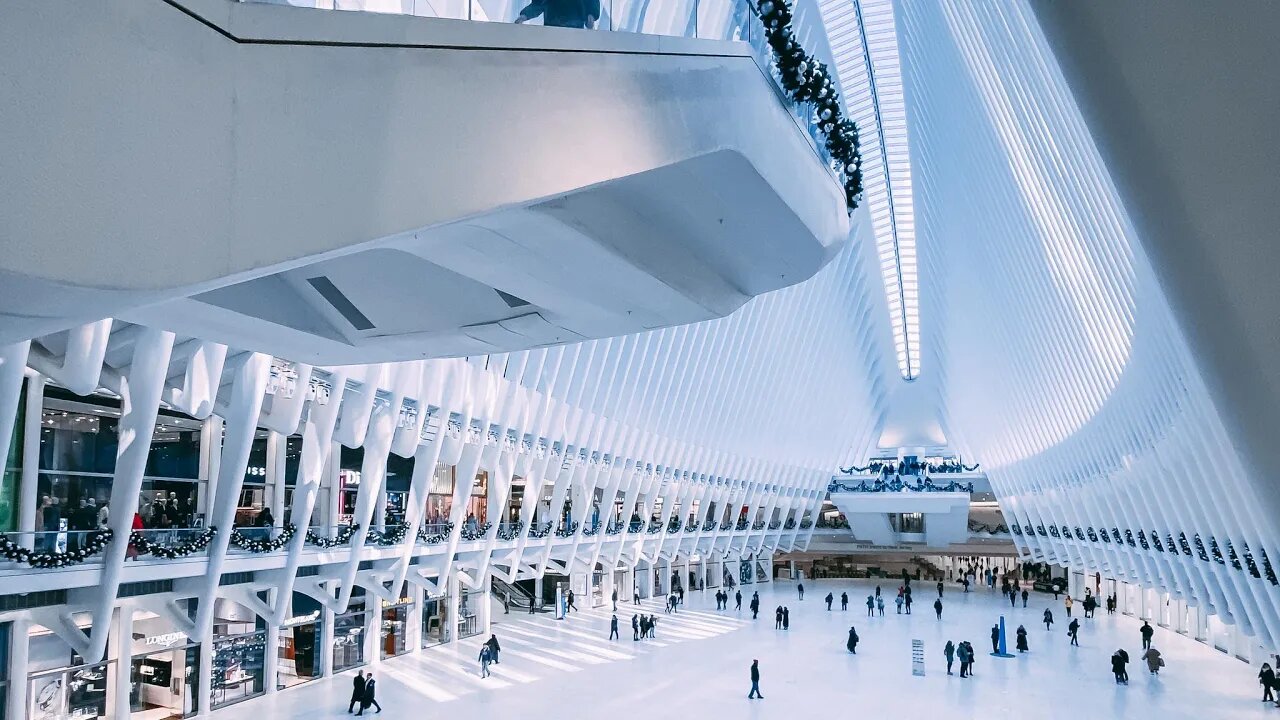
point(357, 691)
point(494, 647)
point(755, 681)
point(852, 644)
point(370, 695)
point(1147, 631)
point(562, 13)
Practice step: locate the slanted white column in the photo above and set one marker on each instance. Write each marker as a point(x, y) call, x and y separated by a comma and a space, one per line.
point(277, 445)
point(29, 484)
point(140, 391)
point(271, 664)
point(210, 462)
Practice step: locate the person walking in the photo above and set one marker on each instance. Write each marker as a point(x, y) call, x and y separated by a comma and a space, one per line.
point(494, 648)
point(755, 681)
point(1048, 618)
point(370, 695)
point(800, 589)
point(1154, 661)
point(1068, 602)
point(569, 606)
point(485, 658)
point(830, 599)
point(786, 618)
point(950, 652)
point(614, 596)
point(1022, 639)
point(755, 605)
point(852, 643)
point(844, 601)
point(357, 691)
point(995, 639)
point(1267, 678)
point(937, 607)
point(777, 618)
point(1013, 599)
point(880, 605)
point(1074, 631)
point(1147, 631)
point(1025, 595)
point(940, 592)
point(613, 628)
point(635, 595)
point(737, 599)
point(635, 627)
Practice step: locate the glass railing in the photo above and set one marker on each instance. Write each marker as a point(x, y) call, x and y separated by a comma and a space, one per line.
point(736, 20)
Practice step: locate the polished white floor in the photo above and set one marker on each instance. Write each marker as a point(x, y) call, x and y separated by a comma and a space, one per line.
point(697, 667)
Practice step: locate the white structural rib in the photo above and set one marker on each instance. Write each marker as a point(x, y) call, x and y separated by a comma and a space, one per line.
point(864, 44)
point(1068, 374)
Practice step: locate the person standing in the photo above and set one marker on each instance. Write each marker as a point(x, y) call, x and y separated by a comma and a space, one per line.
point(1147, 631)
point(844, 601)
point(871, 606)
point(950, 652)
point(635, 627)
point(615, 599)
point(898, 601)
point(357, 691)
point(965, 659)
point(880, 605)
point(995, 639)
point(1117, 667)
point(908, 602)
point(1025, 595)
point(635, 595)
point(737, 599)
point(786, 618)
point(937, 607)
point(777, 618)
point(1022, 639)
point(800, 589)
point(1074, 631)
point(370, 695)
point(494, 648)
point(755, 605)
point(485, 658)
point(755, 681)
point(940, 593)
point(1068, 602)
point(613, 628)
point(830, 599)
point(852, 643)
point(1267, 678)
point(1048, 618)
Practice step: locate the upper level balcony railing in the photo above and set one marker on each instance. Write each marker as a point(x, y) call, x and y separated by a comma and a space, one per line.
point(899, 485)
point(733, 20)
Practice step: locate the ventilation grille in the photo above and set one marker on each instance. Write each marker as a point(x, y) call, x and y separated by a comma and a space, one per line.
point(150, 587)
point(308, 571)
point(236, 578)
point(26, 601)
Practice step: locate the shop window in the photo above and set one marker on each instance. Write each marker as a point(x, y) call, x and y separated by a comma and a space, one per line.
point(348, 640)
point(435, 620)
point(72, 693)
point(164, 676)
point(239, 663)
point(299, 657)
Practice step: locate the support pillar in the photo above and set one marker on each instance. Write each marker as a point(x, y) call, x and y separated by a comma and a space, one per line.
point(120, 647)
point(271, 657)
point(277, 445)
point(204, 698)
point(19, 649)
point(210, 462)
point(326, 640)
point(454, 601)
point(484, 613)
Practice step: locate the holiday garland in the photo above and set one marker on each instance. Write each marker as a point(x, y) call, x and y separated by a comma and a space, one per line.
point(478, 533)
point(510, 531)
point(393, 537)
point(808, 81)
point(139, 542)
point(540, 532)
point(434, 538)
point(342, 538)
point(568, 531)
point(93, 543)
point(254, 545)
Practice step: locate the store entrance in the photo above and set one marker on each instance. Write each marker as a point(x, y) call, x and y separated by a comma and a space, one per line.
point(164, 685)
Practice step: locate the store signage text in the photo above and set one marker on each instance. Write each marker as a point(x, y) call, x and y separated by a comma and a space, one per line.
point(401, 601)
point(167, 639)
point(301, 619)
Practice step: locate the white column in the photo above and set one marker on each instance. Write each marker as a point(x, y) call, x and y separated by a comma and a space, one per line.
point(19, 645)
point(485, 611)
point(326, 641)
point(271, 657)
point(30, 479)
point(276, 452)
point(204, 698)
point(453, 600)
point(121, 648)
point(413, 628)
point(210, 462)
point(372, 629)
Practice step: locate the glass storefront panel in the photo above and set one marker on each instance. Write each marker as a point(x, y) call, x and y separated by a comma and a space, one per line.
point(164, 684)
point(74, 693)
point(395, 630)
point(299, 656)
point(468, 605)
point(348, 640)
point(435, 620)
point(239, 666)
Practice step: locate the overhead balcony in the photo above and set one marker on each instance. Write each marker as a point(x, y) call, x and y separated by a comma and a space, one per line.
point(342, 187)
